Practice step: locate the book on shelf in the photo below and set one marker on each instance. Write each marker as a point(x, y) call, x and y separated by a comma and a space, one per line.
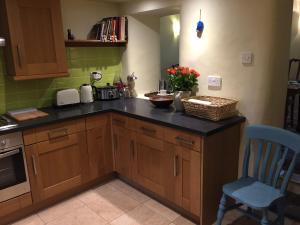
point(111, 29)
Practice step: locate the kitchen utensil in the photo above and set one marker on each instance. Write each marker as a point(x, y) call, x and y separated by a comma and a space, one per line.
point(161, 101)
point(26, 114)
point(106, 93)
point(67, 97)
point(86, 93)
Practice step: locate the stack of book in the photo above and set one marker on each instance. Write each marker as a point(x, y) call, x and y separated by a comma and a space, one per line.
point(112, 29)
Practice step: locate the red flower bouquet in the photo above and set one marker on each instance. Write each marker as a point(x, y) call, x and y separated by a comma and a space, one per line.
point(182, 78)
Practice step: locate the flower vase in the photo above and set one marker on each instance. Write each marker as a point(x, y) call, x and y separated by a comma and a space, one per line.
point(177, 99)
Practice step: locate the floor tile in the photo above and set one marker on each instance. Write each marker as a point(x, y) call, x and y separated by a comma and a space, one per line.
point(161, 209)
point(120, 200)
point(96, 194)
point(129, 191)
point(105, 209)
point(80, 216)
point(115, 203)
point(182, 221)
point(58, 210)
point(141, 215)
point(31, 220)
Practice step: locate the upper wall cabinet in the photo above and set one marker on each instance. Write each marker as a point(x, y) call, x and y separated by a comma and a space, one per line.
point(35, 42)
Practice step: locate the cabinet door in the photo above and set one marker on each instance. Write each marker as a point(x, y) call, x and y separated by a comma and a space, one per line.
point(154, 167)
point(56, 165)
point(189, 180)
point(99, 147)
point(123, 142)
point(36, 39)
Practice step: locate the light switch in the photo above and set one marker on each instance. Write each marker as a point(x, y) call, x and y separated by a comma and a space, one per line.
point(215, 81)
point(247, 58)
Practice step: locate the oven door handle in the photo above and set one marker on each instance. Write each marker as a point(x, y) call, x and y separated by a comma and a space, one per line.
point(10, 153)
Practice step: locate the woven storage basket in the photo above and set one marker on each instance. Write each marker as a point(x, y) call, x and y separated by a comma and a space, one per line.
point(221, 108)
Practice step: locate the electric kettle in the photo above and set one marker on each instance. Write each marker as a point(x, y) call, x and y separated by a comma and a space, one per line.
point(86, 93)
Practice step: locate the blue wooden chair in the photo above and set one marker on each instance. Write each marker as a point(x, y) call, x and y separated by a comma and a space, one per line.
point(267, 186)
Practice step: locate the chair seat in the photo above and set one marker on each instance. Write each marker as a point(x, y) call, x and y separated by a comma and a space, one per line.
point(253, 193)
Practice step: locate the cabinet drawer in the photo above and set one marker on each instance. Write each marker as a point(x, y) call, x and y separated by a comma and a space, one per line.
point(183, 139)
point(59, 130)
point(150, 129)
point(119, 121)
point(124, 122)
point(96, 121)
point(15, 204)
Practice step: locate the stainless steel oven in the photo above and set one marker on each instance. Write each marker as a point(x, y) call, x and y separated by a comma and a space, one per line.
point(13, 169)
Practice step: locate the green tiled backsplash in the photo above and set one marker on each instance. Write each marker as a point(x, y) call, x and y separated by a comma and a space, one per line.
point(41, 93)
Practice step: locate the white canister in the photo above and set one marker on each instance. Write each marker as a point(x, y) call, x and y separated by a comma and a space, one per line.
point(86, 93)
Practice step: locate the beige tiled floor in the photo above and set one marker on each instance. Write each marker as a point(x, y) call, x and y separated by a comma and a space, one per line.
point(114, 203)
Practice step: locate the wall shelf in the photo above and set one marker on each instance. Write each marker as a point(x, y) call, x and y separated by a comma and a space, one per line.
point(94, 43)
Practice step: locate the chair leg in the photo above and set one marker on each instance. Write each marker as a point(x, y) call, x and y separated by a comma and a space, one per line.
point(265, 220)
point(281, 211)
point(221, 211)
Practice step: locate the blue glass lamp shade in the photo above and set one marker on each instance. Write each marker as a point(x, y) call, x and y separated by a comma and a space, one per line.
point(200, 28)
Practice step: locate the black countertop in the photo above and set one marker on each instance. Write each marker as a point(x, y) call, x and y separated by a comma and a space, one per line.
point(136, 108)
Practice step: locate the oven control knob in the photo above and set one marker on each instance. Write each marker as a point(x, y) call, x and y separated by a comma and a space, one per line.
point(2, 142)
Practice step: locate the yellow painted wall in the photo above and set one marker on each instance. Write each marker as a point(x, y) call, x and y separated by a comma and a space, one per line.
point(232, 27)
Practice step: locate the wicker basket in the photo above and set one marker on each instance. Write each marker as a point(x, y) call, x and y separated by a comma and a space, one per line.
point(221, 108)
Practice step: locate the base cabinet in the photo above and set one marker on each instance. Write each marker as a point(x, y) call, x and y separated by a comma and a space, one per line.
point(56, 165)
point(184, 170)
point(123, 146)
point(189, 180)
point(169, 168)
point(100, 157)
point(154, 165)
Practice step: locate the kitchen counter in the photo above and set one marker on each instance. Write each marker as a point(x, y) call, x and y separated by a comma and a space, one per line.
point(136, 108)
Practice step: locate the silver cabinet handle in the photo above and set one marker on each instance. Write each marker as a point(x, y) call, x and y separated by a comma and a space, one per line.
point(34, 165)
point(175, 169)
point(57, 133)
point(184, 141)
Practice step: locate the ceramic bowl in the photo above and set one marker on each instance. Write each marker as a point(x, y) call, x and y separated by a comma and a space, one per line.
point(161, 101)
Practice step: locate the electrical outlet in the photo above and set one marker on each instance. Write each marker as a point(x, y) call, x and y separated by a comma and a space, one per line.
point(247, 58)
point(215, 81)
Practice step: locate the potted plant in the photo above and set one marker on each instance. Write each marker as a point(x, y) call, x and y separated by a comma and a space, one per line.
point(182, 80)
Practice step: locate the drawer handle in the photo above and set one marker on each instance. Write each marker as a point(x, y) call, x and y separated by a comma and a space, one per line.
point(149, 130)
point(120, 122)
point(58, 133)
point(34, 165)
point(184, 141)
point(175, 169)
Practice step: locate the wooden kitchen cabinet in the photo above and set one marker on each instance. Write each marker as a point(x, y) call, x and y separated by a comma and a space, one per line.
point(123, 146)
point(56, 165)
point(154, 166)
point(189, 180)
point(99, 147)
point(184, 183)
point(35, 41)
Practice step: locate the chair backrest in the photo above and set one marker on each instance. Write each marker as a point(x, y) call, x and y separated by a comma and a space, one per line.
point(272, 146)
point(297, 71)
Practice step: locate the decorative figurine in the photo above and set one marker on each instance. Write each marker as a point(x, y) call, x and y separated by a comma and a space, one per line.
point(131, 85)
